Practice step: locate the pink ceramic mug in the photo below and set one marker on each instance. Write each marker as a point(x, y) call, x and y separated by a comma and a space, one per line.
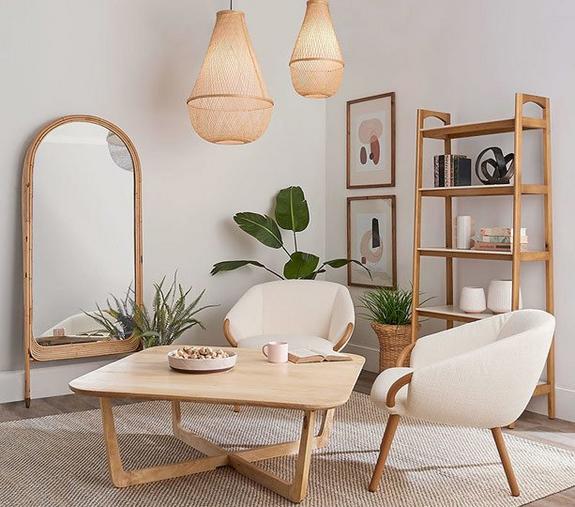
point(276, 352)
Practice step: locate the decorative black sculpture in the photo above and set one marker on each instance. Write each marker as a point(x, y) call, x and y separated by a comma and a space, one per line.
point(500, 174)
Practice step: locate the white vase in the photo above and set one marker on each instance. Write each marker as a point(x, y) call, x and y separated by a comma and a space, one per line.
point(472, 300)
point(500, 295)
point(463, 232)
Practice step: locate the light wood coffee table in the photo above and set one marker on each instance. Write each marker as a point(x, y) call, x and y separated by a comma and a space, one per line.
point(311, 388)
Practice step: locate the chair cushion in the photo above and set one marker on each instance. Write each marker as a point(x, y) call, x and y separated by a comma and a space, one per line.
point(294, 342)
point(381, 386)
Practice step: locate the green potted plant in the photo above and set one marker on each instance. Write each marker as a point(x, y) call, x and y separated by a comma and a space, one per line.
point(170, 315)
point(389, 311)
point(291, 214)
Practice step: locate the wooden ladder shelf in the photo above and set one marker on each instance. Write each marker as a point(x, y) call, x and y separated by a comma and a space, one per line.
point(517, 189)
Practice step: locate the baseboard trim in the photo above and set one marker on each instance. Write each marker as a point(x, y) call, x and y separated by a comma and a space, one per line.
point(46, 380)
point(370, 354)
point(565, 401)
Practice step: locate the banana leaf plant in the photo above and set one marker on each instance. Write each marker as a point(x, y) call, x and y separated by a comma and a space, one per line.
point(291, 214)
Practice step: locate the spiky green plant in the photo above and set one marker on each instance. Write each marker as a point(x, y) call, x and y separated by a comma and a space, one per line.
point(388, 306)
point(118, 319)
point(170, 315)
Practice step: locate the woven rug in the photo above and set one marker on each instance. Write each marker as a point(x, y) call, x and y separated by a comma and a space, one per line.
point(60, 460)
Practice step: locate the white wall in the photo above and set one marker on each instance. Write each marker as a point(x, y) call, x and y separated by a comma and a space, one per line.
point(467, 58)
point(135, 62)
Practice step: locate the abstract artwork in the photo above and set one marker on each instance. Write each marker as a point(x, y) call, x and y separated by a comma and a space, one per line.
point(371, 240)
point(371, 141)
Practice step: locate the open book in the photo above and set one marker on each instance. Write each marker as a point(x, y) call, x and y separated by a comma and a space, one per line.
point(304, 355)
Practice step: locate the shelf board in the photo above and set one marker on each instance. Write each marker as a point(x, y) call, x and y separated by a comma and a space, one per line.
point(449, 312)
point(481, 190)
point(481, 129)
point(527, 256)
point(465, 254)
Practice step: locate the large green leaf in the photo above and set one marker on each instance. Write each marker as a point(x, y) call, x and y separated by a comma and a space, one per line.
point(231, 265)
point(340, 263)
point(220, 267)
point(292, 213)
point(300, 265)
point(261, 227)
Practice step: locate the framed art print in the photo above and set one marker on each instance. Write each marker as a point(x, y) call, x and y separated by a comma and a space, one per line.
point(371, 141)
point(371, 241)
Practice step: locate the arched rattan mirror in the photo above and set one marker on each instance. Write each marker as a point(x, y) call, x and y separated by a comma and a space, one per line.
point(82, 240)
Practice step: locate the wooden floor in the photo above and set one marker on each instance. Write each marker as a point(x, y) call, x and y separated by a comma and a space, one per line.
point(532, 426)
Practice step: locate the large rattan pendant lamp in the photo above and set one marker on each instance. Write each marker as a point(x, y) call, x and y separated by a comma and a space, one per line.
point(229, 103)
point(316, 63)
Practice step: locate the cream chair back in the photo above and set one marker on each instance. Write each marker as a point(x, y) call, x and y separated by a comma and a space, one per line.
point(293, 307)
point(491, 385)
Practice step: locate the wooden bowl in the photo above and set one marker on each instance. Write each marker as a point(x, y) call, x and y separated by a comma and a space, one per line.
point(202, 365)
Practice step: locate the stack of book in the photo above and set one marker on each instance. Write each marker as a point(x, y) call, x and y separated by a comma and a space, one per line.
point(451, 171)
point(499, 239)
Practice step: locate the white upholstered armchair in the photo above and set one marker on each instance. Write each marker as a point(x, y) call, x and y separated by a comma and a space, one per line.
point(304, 313)
point(479, 375)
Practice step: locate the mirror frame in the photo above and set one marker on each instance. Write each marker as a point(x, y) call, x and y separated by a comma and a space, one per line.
point(32, 349)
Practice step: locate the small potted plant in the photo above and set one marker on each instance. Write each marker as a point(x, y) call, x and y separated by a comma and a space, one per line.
point(389, 311)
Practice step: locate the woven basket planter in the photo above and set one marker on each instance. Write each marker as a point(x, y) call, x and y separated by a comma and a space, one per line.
point(392, 340)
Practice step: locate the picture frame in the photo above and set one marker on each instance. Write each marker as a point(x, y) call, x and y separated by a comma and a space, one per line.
point(372, 219)
point(370, 164)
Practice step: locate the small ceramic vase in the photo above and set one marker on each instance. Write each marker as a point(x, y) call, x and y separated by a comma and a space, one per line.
point(463, 232)
point(472, 300)
point(499, 296)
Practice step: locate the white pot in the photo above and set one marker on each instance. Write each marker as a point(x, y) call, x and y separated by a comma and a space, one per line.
point(499, 296)
point(472, 300)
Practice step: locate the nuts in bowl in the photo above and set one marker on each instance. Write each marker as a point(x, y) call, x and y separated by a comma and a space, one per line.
point(201, 359)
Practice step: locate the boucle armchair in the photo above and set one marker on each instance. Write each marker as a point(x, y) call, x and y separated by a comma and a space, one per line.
point(303, 313)
point(479, 375)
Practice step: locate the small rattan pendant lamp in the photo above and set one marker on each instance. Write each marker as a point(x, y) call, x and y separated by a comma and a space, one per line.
point(229, 103)
point(316, 63)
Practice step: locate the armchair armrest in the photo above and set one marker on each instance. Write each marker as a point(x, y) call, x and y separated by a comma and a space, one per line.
point(228, 333)
point(342, 319)
point(395, 387)
point(245, 318)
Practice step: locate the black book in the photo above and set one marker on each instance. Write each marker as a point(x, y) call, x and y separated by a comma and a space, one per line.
point(441, 166)
point(462, 172)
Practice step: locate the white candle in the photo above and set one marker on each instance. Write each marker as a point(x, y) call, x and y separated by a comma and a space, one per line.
point(463, 232)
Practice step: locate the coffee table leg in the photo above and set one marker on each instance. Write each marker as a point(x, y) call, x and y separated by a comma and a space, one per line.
point(242, 461)
point(115, 467)
point(297, 489)
point(122, 478)
point(188, 437)
point(322, 438)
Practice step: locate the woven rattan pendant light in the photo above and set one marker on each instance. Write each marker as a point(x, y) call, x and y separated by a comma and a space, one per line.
point(316, 63)
point(229, 103)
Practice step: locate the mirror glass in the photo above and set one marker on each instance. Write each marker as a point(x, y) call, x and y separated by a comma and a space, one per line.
point(83, 232)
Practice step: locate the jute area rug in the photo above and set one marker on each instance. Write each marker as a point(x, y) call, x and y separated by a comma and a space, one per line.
point(60, 460)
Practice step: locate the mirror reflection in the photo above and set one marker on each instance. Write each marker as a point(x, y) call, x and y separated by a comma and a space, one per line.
point(83, 239)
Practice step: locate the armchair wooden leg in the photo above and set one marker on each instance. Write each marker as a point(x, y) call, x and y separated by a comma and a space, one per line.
point(384, 451)
point(500, 442)
point(236, 408)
